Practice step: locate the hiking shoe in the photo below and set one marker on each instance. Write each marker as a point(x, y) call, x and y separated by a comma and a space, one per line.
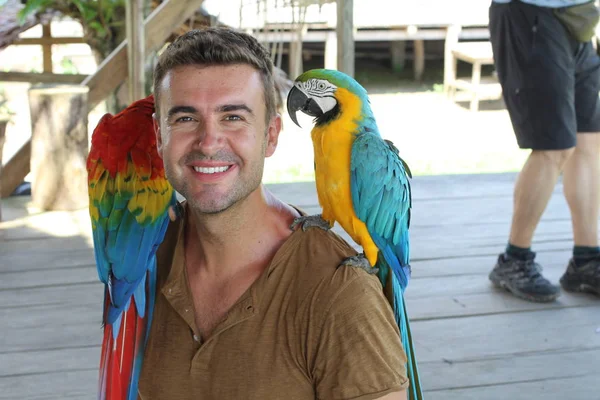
point(585, 278)
point(523, 279)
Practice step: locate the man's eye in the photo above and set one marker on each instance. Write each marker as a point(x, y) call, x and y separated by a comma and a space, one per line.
point(233, 118)
point(184, 119)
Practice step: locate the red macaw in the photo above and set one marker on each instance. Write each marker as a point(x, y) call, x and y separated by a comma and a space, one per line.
point(129, 199)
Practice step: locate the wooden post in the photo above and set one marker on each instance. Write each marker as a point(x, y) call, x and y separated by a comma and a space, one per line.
point(135, 49)
point(345, 36)
point(398, 53)
point(452, 33)
point(475, 80)
point(331, 51)
point(59, 147)
point(3, 123)
point(295, 56)
point(47, 47)
point(419, 61)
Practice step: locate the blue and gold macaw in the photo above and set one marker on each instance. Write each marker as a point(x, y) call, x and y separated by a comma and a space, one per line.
point(362, 183)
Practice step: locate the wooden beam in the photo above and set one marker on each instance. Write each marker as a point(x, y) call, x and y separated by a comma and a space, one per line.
point(47, 48)
point(51, 40)
point(135, 49)
point(15, 170)
point(345, 36)
point(157, 27)
point(43, 77)
point(375, 35)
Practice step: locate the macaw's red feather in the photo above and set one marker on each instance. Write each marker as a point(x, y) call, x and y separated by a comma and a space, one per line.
point(118, 355)
point(126, 133)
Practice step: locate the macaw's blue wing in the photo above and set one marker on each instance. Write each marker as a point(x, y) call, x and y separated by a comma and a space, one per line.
point(381, 196)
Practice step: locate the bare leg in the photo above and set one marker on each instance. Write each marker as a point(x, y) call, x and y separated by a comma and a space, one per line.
point(581, 182)
point(532, 192)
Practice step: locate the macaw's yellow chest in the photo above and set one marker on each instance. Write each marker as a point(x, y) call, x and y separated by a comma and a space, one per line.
point(332, 144)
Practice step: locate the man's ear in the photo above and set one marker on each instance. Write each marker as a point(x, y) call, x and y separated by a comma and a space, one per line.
point(273, 131)
point(159, 142)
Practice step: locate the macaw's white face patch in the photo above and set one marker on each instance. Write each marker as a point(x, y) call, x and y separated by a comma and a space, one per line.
point(321, 91)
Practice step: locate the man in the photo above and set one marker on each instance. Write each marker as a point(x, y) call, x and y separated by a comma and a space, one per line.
point(550, 84)
point(246, 308)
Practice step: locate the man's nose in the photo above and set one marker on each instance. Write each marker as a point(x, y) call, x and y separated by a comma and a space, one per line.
point(210, 138)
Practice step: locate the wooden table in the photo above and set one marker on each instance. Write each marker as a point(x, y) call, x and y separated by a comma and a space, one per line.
point(477, 54)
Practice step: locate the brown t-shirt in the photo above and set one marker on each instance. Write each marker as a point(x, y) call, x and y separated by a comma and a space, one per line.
point(304, 330)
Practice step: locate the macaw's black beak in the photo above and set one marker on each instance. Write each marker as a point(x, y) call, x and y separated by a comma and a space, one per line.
point(297, 100)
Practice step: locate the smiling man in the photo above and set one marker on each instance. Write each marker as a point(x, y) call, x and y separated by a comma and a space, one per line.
point(246, 308)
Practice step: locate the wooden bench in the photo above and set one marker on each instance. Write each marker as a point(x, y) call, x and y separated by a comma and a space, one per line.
point(476, 53)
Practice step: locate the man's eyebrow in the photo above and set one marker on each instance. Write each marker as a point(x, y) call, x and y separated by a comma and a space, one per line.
point(234, 107)
point(180, 109)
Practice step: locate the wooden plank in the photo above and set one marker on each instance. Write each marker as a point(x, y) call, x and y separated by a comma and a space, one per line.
point(53, 336)
point(49, 40)
point(48, 361)
point(47, 277)
point(74, 384)
point(85, 293)
point(52, 258)
point(375, 35)
point(578, 387)
point(490, 301)
point(506, 335)
point(42, 77)
point(15, 170)
point(474, 52)
point(158, 27)
point(39, 316)
point(443, 376)
point(47, 243)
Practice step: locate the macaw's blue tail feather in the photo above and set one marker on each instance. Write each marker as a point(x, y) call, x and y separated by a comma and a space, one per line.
point(125, 340)
point(143, 330)
point(414, 391)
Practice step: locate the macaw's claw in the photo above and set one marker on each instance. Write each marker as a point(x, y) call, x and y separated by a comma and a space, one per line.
point(359, 261)
point(309, 221)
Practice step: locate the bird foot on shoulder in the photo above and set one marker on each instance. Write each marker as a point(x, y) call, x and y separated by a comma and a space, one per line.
point(359, 261)
point(310, 221)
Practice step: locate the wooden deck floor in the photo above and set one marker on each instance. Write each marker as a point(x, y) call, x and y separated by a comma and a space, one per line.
point(473, 341)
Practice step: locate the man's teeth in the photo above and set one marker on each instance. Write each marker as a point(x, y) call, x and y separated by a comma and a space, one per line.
point(211, 170)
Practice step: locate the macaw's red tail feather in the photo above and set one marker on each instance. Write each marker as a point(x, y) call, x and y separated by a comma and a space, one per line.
point(118, 356)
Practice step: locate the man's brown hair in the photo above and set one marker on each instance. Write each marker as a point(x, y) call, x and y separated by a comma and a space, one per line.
point(218, 46)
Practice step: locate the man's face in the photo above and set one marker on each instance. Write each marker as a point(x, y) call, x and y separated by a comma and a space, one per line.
point(212, 134)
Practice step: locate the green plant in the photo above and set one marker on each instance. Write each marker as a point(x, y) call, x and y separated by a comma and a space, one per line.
point(103, 21)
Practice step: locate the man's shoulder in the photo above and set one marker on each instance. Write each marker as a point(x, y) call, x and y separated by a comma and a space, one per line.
point(314, 264)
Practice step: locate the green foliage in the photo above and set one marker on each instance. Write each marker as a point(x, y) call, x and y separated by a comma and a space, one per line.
point(98, 17)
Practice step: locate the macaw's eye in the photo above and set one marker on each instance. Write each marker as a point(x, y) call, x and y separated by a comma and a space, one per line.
point(321, 86)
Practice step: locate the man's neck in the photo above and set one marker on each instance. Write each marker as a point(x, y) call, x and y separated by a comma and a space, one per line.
point(249, 233)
